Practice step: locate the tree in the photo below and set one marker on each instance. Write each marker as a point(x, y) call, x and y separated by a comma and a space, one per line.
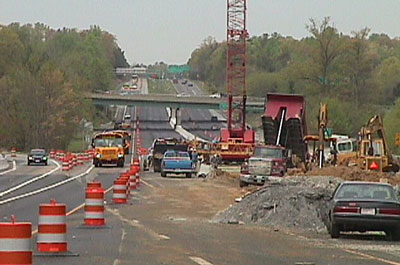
point(327, 50)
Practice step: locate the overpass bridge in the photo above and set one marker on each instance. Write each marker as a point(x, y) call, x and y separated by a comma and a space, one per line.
point(255, 105)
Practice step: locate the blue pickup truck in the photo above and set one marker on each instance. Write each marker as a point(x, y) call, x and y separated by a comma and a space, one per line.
point(178, 162)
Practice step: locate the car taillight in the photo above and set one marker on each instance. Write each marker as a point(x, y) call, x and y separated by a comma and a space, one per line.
point(390, 211)
point(346, 209)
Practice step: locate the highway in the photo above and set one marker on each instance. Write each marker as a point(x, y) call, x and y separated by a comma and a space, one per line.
point(170, 220)
point(199, 121)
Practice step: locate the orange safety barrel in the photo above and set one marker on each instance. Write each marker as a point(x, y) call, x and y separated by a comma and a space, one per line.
point(52, 232)
point(94, 207)
point(119, 191)
point(94, 184)
point(15, 243)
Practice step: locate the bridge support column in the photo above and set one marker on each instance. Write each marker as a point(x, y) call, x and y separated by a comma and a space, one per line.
point(178, 115)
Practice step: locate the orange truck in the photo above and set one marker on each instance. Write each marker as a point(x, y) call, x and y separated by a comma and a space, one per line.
point(109, 148)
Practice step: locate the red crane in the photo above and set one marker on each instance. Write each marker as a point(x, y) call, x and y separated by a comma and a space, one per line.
point(237, 36)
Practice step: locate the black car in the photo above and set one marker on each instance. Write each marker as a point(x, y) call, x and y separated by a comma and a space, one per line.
point(37, 156)
point(365, 206)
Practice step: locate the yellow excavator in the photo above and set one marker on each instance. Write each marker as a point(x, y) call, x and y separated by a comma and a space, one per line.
point(374, 153)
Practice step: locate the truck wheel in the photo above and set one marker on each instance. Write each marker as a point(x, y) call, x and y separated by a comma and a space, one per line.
point(243, 184)
point(163, 174)
point(334, 231)
point(188, 175)
point(29, 164)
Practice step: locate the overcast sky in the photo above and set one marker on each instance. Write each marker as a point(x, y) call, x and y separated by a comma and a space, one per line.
point(169, 30)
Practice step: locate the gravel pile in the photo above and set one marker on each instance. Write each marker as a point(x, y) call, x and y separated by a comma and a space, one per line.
point(300, 201)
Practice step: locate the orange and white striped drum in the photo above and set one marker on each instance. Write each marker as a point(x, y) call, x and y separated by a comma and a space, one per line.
point(52, 232)
point(65, 164)
point(15, 243)
point(126, 178)
point(94, 206)
point(94, 184)
point(133, 182)
point(119, 191)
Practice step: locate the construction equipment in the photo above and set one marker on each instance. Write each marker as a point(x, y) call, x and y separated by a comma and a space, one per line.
point(109, 148)
point(284, 124)
point(374, 153)
point(236, 137)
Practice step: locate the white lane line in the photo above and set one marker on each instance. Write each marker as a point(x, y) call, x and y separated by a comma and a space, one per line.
point(14, 167)
point(23, 184)
point(370, 257)
point(147, 184)
point(200, 261)
point(55, 185)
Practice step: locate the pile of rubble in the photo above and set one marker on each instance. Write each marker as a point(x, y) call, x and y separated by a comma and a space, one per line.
point(299, 201)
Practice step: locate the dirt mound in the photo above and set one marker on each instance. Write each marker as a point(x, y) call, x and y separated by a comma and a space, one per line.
point(299, 201)
point(352, 174)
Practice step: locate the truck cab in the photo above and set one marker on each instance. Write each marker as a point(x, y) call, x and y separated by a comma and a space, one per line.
point(266, 161)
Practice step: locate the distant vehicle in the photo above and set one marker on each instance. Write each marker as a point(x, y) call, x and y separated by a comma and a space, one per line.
point(267, 160)
point(184, 82)
point(190, 84)
point(135, 77)
point(214, 127)
point(37, 156)
point(109, 148)
point(183, 95)
point(160, 146)
point(126, 86)
point(365, 206)
point(175, 81)
point(178, 162)
point(217, 95)
point(127, 117)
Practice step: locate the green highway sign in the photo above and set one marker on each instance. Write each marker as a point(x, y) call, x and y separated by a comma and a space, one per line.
point(179, 69)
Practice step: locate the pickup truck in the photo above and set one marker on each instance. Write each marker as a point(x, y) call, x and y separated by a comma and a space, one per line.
point(178, 162)
point(267, 160)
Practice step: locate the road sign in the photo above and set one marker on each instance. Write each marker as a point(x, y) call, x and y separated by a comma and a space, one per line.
point(397, 139)
point(179, 69)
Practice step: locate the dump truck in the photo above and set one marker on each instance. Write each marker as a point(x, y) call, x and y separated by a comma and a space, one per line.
point(284, 124)
point(109, 148)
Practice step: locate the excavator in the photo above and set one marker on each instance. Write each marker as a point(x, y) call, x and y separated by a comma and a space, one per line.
point(374, 153)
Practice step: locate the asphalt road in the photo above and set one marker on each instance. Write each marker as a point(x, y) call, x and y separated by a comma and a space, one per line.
point(168, 221)
point(199, 121)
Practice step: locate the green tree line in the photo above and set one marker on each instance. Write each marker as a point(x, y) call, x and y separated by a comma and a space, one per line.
point(357, 75)
point(43, 76)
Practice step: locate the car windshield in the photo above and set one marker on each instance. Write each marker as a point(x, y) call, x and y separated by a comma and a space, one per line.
point(37, 152)
point(366, 191)
point(265, 152)
point(108, 142)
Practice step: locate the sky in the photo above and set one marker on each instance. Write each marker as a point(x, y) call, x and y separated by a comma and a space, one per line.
point(169, 30)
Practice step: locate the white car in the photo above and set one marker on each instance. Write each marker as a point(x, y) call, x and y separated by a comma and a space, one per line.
point(183, 95)
point(217, 95)
point(127, 117)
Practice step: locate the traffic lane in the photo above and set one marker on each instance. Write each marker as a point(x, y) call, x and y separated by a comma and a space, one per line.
point(23, 173)
point(152, 114)
point(182, 224)
point(71, 193)
point(148, 136)
point(191, 90)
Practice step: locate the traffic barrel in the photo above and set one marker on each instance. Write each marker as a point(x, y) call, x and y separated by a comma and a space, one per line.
point(70, 162)
point(127, 178)
point(133, 182)
point(94, 206)
point(52, 154)
point(94, 184)
point(119, 191)
point(74, 160)
point(65, 164)
point(15, 243)
point(13, 152)
point(79, 159)
point(52, 231)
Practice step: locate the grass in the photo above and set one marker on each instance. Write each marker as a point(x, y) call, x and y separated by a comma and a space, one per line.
point(77, 145)
point(157, 86)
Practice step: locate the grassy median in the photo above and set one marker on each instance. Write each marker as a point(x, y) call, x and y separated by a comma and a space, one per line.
point(158, 86)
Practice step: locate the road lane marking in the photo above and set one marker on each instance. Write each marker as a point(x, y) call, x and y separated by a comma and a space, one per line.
point(55, 185)
point(200, 261)
point(23, 184)
point(147, 184)
point(14, 167)
point(370, 257)
point(135, 223)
